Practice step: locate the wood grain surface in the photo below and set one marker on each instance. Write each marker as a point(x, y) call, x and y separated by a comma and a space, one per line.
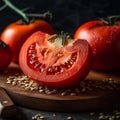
point(103, 92)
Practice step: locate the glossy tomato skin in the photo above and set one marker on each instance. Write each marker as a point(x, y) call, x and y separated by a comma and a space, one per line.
point(105, 43)
point(16, 33)
point(49, 63)
point(5, 55)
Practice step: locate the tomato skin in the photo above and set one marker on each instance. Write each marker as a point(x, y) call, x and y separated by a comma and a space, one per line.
point(105, 43)
point(79, 53)
point(5, 55)
point(16, 33)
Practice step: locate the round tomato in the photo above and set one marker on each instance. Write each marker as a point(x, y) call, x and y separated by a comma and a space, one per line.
point(5, 55)
point(104, 40)
point(16, 33)
point(45, 59)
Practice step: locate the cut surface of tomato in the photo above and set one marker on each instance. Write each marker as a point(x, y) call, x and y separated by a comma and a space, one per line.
point(46, 60)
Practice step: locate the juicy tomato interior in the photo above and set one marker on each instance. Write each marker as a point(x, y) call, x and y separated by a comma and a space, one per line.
point(44, 59)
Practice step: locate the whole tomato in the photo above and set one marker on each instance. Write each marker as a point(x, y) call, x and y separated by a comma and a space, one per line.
point(51, 61)
point(16, 33)
point(104, 39)
point(5, 55)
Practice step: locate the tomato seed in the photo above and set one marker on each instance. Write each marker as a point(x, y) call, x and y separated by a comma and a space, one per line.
point(26, 83)
point(35, 64)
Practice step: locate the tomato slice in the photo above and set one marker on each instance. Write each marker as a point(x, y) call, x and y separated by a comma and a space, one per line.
point(44, 59)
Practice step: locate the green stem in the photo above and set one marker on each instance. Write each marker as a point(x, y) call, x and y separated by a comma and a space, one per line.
point(25, 9)
point(9, 4)
point(44, 15)
point(3, 7)
point(114, 16)
point(25, 16)
point(64, 37)
point(112, 19)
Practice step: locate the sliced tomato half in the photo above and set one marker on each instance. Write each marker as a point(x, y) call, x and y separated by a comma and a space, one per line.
point(45, 59)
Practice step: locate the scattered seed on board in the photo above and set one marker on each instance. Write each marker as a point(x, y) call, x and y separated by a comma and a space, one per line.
point(54, 115)
point(23, 81)
point(63, 93)
point(92, 113)
point(73, 94)
point(69, 118)
point(38, 117)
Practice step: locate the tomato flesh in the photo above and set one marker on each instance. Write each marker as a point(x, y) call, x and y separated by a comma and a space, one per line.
point(50, 63)
point(44, 54)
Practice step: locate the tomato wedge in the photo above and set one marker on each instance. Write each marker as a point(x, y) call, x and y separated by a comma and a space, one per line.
point(48, 61)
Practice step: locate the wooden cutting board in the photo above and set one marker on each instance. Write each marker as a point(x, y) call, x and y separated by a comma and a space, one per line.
point(99, 90)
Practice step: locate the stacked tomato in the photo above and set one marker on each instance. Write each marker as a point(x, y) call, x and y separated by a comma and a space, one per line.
point(49, 59)
point(59, 60)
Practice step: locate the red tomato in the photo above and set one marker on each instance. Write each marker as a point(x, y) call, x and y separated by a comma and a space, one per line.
point(44, 59)
point(105, 42)
point(5, 55)
point(16, 33)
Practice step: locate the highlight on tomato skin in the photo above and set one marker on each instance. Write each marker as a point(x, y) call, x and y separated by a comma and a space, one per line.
point(49, 61)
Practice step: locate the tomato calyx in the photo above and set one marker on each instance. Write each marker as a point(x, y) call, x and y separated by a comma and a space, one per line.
point(54, 54)
point(111, 20)
point(26, 16)
point(63, 37)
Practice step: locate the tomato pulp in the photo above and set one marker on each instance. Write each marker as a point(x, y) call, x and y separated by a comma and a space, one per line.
point(46, 60)
point(104, 40)
point(16, 33)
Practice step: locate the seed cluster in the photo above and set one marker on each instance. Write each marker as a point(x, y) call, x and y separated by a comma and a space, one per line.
point(60, 68)
point(41, 117)
point(115, 115)
point(85, 86)
point(38, 117)
point(19, 79)
point(23, 81)
point(34, 60)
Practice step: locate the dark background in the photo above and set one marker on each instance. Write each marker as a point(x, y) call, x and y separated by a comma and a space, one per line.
point(67, 14)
